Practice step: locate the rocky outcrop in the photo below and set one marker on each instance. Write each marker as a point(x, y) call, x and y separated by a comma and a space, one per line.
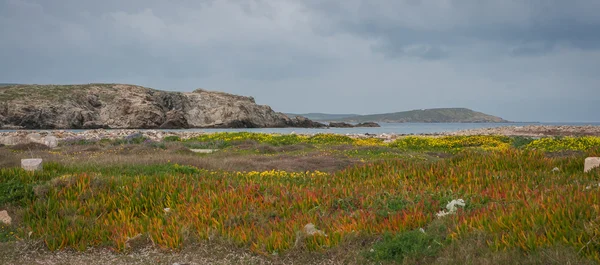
point(96, 106)
point(348, 125)
point(367, 124)
point(340, 125)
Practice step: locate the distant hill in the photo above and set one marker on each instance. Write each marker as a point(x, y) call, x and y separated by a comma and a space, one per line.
point(323, 116)
point(428, 115)
point(7, 84)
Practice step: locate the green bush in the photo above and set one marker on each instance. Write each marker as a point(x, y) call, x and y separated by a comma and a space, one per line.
point(410, 245)
point(521, 141)
point(15, 192)
point(136, 138)
point(157, 145)
point(172, 138)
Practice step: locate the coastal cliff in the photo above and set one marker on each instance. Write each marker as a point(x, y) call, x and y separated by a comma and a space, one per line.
point(121, 106)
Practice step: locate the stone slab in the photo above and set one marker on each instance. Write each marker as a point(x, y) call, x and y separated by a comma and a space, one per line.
point(32, 164)
point(204, 151)
point(591, 163)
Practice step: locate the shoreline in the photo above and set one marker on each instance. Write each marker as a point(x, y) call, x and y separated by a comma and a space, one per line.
point(25, 136)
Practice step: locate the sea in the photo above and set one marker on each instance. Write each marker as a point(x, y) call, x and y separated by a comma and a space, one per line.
point(388, 128)
point(394, 128)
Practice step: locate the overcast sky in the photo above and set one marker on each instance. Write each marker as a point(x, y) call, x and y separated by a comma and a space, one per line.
point(523, 60)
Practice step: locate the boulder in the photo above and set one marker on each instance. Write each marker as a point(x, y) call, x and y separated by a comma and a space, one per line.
point(51, 141)
point(5, 218)
point(32, 164)
point(591, 163)
point(9, 140)
point(35, 138)
point(310, 230)
point(367, 124)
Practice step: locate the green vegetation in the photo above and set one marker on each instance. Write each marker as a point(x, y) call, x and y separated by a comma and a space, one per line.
point(407, 247)
point(46, 92)
point(488, 198)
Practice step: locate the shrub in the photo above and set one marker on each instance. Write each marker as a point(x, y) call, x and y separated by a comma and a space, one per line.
point(136, 138)
point(451, 143)
point(553, 144)
point(172, 138)
point(15, 192)
point(413, 245)
point(521, 141)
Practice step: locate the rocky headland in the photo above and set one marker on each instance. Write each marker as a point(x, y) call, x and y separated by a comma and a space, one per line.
point(119, 106)
point(348, 125)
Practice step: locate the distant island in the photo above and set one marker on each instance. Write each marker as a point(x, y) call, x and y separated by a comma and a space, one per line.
point(437, 115)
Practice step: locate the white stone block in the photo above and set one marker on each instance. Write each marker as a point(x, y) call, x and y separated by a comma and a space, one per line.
point(33, 164)
point(591, 163)
point(204, 151)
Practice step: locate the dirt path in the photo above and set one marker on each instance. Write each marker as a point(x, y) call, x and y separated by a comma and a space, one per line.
point(197, 253)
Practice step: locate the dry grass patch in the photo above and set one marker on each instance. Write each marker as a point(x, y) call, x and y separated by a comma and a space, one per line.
point(474, 250)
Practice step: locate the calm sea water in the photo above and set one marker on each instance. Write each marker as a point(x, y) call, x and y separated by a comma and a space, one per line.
point(393, 128)
point(389, 128)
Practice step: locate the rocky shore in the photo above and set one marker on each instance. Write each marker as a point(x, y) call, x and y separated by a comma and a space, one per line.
point(52, 137)
point(534, 131)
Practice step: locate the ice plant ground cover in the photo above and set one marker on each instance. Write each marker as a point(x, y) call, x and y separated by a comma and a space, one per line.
point(414, 210)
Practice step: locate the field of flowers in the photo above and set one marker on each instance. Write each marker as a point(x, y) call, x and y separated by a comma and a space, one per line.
point(514, 194)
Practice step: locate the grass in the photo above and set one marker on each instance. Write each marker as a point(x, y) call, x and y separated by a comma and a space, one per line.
point(261, 190)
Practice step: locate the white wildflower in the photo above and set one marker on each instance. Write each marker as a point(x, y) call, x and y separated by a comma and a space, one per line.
point(451, 207)
point(442, 214)
point(592, 186)
point(167, 210)
point(422, 230)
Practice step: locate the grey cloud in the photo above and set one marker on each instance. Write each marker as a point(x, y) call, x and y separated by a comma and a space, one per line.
point(426, 52)
point(522, 59)
point(531, 49)
point(400, 24)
